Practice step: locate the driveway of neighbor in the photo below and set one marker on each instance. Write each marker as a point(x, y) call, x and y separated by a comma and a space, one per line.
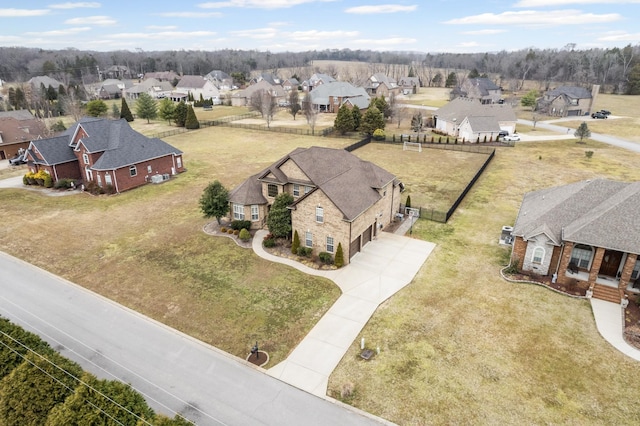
point(382, 268)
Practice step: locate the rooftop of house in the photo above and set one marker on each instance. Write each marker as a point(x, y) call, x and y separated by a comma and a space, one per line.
point(13, 130)
point(191, 82)
point(573, 92)
point(320, 95)
point(600, 213)
point(44, 80)
point(460, 108)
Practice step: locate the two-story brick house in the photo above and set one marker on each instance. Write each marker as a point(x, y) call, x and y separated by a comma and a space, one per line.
point(107, 152)
point(338, 198)
point(587, 233)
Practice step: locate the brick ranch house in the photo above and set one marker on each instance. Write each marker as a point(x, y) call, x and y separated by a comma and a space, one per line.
point(106, 152)
point(588, 233)
point(338, 198)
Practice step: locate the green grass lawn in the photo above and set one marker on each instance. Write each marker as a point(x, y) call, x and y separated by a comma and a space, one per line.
point(461, 346)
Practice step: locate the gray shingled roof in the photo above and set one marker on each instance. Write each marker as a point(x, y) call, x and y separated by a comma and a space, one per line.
point(46, 81)
point(248, 192)
point(21, 114)
point(460, 108)
point(572, 92)
point(191, 82)
point(482, 84)
point(484, 124)
point(320, 95)
point(600, 213)
point(53, 151)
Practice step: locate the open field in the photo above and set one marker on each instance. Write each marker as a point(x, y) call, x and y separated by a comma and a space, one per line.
point(461, 346)
point(433, 178)
point(145, 248)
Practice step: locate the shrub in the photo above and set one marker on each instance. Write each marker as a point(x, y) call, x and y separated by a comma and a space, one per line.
point(109, 189)
point(379, 135)
point(236, 232)
point(304, 251)
point(25, 181)
point(48, 182)
point(296, 243)
point(64, 183)
point(244, 235)
point(339, 256)
point(229, 231)
point(588, 154)
point(325, 257)
point(223, 229)
point(269, 241)
point(408, 203)
point(240, 224)
point(94, 188)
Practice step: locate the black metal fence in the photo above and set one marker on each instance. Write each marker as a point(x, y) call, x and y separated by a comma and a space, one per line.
point(358, 144)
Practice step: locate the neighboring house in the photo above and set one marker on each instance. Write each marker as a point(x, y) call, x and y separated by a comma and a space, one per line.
point(111, 88)
point(568, 101)
point(588, 233)
point(17, 130)
point(472, 121)
point(270, 78)
point(107, 152)
point(152, 87)
point(37, 82)
point(198, 86)
point(380, 84)
point(243, 97)
point(409, 85)
point(483, 89)
point(220, 79)
point(338, 198)
point(316, 80)
point(329, 97)
point(117, 71)
point(169, 76)
point(290, 84)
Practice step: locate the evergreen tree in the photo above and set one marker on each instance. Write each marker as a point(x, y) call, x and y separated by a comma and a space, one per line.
point(344, 120)
point(339, 258)
point(214, 201)
point(383, 106)
point(474, 73)
point(167, 110)
point(582, 131)
point(294, 102)
point(408, 203)
point(296, 242)
point(529, 99)
point(180, 114)
point(115, 111)
point(191, 122)
point(96, 108)
point(633, 85)
point(146, 107)
point(371, 121)
point(452, 80)
point(357, 117)
point(61, 91)
point(279, 219)
point(125, 112)
point(417, 122)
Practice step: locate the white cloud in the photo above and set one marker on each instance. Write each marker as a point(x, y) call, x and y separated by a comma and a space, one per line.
point(163, 35)
point(161, 27)
point(381, 8)
point(484, 32)
point(21, 13)
point(620, 36)
point(190, 14)
point(541, 18)
point(70, 5)
point(257, 34)
point(59, 33)
point(319, 35)
point(544, 3)
point(91, 20)
point(258, 4)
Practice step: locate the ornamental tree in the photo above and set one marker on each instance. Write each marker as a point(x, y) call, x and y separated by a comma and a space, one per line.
point(279, 219)
point(344, 120)
point(146, 107)
point(96, 108)
point(214, 201)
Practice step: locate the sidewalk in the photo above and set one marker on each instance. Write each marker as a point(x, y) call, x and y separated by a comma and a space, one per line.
point(382, 268)
point(609, 321)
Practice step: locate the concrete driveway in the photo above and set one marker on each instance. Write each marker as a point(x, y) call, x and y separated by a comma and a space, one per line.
point(382, 268)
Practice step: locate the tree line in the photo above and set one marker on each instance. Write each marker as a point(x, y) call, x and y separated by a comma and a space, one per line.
point(616, 69)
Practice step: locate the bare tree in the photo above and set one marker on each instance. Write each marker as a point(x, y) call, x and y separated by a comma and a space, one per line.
point(294, 102)
point(310, 112)
point(255, 102)
point(269, 106)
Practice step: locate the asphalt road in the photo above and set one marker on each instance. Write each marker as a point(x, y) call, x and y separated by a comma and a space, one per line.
point(175, 373)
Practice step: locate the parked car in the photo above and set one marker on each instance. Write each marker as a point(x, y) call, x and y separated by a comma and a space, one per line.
point(605, 112)
point(17, 160)
point(511, 138)
point(598, 115)
point(503, 133)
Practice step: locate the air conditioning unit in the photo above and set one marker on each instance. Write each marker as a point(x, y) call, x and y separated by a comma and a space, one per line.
point(156, 179)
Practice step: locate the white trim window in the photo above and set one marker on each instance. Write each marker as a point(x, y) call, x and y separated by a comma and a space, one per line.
point(636, 270)
point(581, 256)
point(308, 239)
point(238, 212)
point(99, 179)
point(307, 189)
point(272, 190)
point(149, 169)
point(179, 162)
point(296, 190)
point(319, 215)
point(85, 158)
point(537, 255)
point(133, 171)
point(330, 245)
point(107, 179)
point(255, 213)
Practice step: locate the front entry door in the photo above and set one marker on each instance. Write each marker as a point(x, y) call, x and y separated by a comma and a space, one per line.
point(610, 263)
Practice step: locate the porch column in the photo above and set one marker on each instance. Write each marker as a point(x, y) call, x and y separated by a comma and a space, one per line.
point(564, 261)
point(595, 265)
point(627, 270)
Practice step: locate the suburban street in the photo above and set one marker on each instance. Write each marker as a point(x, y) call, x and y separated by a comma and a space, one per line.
point(175, 373)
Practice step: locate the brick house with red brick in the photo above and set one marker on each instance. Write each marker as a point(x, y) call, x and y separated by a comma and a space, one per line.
point(338, 198)
point(588, 233)
point(107, 152)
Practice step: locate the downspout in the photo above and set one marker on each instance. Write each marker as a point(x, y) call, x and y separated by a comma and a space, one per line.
point(115, 180)
point(560, 258)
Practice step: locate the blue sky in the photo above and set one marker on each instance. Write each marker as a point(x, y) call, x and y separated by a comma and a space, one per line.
point(458, 26)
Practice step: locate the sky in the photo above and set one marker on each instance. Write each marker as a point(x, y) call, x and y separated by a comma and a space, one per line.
point(455, 26)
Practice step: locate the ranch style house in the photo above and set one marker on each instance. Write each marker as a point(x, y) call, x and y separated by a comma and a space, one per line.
point(107, 152)
point(587, 233)
point(338, 198)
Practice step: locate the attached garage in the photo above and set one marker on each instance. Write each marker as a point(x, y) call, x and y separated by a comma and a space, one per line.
point(367, 235)
point(354, 247)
